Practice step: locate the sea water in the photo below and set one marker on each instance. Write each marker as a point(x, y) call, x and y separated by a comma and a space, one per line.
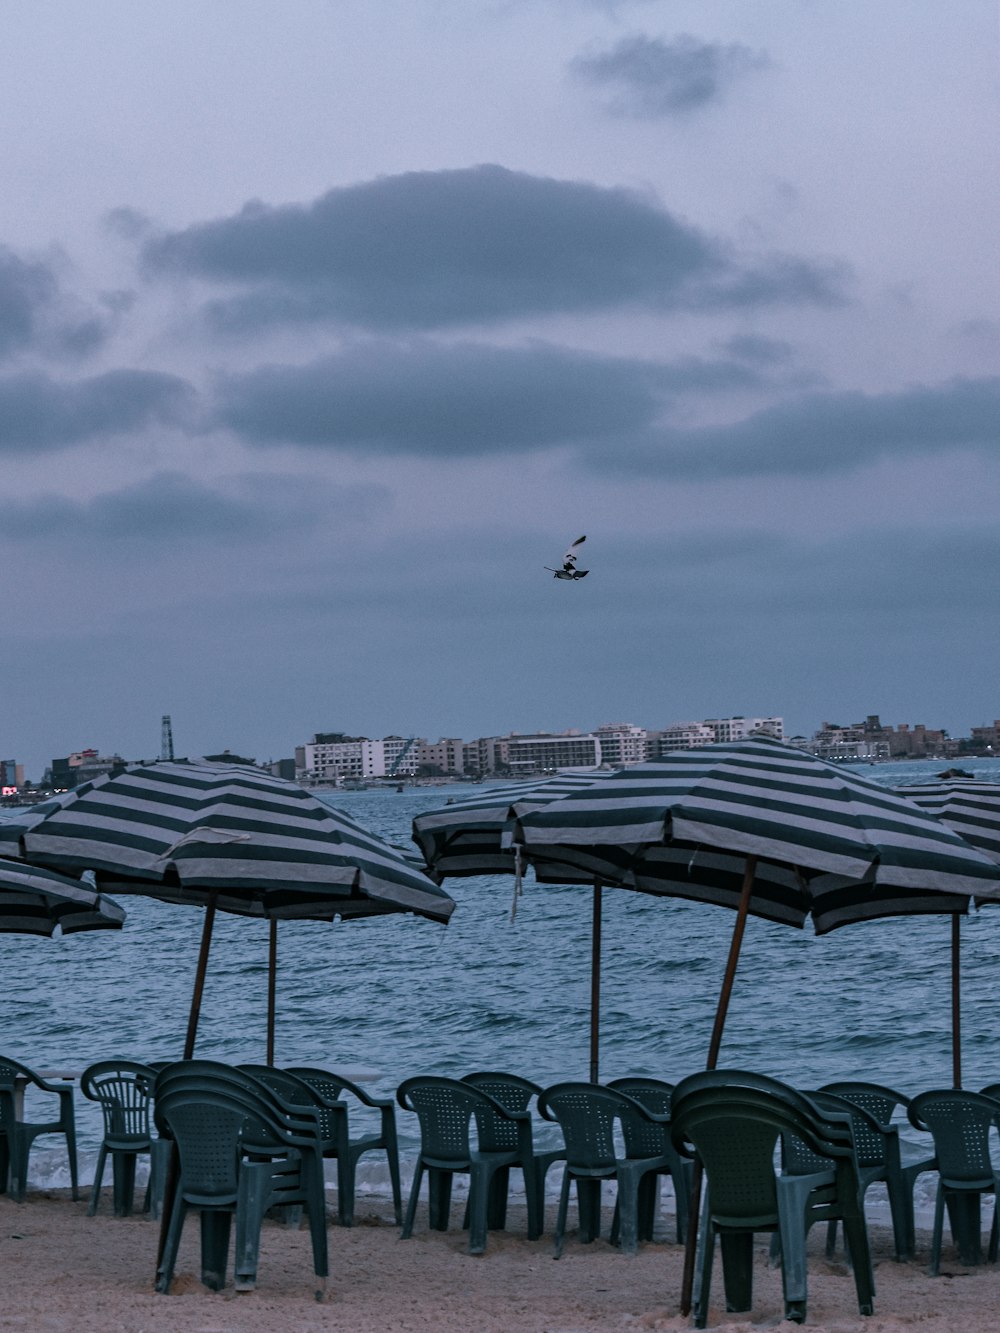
point(388, 997)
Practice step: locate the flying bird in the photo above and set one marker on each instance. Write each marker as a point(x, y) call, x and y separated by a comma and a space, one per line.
point(569, 569)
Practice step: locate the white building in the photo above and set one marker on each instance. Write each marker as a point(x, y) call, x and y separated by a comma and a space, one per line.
point(684, 736)
point(739, 728)
point(622, 744)
point(545, 753)
point(333, 757)
point(445, 756)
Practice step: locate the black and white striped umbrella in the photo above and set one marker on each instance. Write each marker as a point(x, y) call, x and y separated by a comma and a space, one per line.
point(967, 805)
point(473, 836)
point(972, 809)
point(855, 849)
point(230, 836)
point(34, 901)
point(769, 830)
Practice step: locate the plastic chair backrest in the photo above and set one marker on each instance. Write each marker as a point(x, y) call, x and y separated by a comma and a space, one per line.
point(123, 1089)
point(498, 1133)
point(587, 1114)
point(213, 1076)
point(645, 1138)
point(735, 1129)
point(208, 1128)
point(445, 1109)
point(869, 1133)
point(960, 1123)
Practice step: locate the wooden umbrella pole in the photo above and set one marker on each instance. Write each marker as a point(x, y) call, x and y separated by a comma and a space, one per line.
point(956, 1001)
point(272, 987)
point(199, 976)
point(694, 1209)
point(595, 984)
point(173, 1165)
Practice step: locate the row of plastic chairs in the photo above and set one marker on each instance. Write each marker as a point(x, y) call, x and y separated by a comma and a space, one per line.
point(497, 1105)
point(124, 1090)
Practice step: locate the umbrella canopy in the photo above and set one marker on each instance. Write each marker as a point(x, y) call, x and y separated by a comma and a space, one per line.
point(230, 836)
point(972, 809)
point(856, 849)
point(968, 806)
point(473, 836)
point(40, 902)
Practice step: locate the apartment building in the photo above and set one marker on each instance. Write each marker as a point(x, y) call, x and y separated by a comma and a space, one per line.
point(545, 752)
point(739, 728)
point(622, 744)
point(683, 736)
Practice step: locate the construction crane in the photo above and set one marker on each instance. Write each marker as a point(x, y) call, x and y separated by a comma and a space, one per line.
point(166, 738)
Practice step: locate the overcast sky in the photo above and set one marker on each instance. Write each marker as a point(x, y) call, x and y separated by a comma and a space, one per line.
point(325, 326)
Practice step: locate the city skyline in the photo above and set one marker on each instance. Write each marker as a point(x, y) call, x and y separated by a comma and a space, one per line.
point(325, 329)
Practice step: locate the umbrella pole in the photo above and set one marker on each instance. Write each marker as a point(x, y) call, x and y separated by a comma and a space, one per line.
point(272, 975)
point(173, 1165)
point(956, 1002)
point(595, 983)
point(199, 976)
point(694, 1209)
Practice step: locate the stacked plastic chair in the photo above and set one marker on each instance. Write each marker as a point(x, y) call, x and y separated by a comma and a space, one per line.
point(17, 1135)
point(734, 1120)
point(243, 1150)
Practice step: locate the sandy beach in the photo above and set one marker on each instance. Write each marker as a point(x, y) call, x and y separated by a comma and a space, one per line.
point(64, 1271)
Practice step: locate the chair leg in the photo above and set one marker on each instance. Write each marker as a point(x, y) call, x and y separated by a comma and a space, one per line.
point(95, 1193)
point(703, 1267)
point(560, 1232)
point(123, 1174)
point(481, 1185)
point(935, 1265)
point(346, 1169)
point(4, 1162)
point(535, 1202)
point(411, 1207)
point(439, 1197)
point(216, 1225)
point(737, 1269)
point(165, 1272)
point(964, 1212)
point(159, 1165)
point(71, 1151)
point(392, 1154)
point(588, 1202)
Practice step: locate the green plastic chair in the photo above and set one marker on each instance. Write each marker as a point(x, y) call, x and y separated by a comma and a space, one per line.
point(17, 1135)
point(644, 1139)
point(903, 1161)
point(587, 1113)
point(499, 1134)
point(123, 1089)
point(243, 1150)
point(330, 1088)
point(960, 1123)
point(446, 1109)
point(734, 1120)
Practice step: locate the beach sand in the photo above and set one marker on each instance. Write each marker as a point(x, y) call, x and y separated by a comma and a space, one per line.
point(60, 1270)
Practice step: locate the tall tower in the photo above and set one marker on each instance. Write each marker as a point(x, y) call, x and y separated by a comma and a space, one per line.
point(166, 738)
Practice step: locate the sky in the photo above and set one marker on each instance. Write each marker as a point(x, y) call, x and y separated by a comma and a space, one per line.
point(326, 326)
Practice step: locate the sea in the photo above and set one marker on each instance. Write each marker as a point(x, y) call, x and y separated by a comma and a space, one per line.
point(385, 998)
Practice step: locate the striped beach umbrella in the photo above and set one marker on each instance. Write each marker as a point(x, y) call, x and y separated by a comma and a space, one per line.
point(769, 830)
point(228, 836)
point(475, 837)
point(34, 901)
point(856, 849)
point(972, 809)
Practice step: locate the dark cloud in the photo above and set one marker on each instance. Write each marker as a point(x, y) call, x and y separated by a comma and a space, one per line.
point(171, 507)
point(38, 412)
point(650, 77)
point(37, 315)
point(25, 289)
point(465, 400)
point(824, 432)
point(427, 250)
